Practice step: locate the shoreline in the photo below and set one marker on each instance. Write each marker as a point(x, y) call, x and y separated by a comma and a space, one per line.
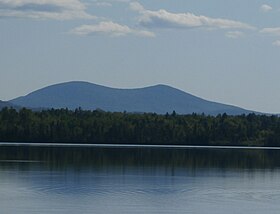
point(153, 146)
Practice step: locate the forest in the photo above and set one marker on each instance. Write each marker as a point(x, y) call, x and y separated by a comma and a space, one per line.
point(79, 126)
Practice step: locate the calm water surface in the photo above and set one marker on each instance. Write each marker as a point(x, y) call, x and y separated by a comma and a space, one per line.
point(138, 180)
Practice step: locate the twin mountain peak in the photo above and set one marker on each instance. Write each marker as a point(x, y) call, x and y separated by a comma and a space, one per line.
point(157, 99)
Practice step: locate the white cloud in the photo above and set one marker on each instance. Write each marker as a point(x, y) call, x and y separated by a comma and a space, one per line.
point(103, 4)
point(111, 29)
point(165, 19)
point(234, 34)
point(265, 8)
point(44, 9)
point(106, 2)
point(277, 43)
point(272, 31)
point(136, 6)
point(125, 1)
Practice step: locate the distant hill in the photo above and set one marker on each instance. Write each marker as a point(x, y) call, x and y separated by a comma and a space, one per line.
point(158, 99)
point(4, 104)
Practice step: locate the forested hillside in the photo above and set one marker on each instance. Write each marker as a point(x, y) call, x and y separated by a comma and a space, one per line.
point(102, 127)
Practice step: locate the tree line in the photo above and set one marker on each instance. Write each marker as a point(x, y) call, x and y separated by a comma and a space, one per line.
point(79, 126)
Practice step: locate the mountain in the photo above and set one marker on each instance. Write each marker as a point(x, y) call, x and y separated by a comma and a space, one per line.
point(4, 104)
point(159, 99)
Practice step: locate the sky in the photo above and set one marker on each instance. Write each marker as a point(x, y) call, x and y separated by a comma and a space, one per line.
point(224, 51)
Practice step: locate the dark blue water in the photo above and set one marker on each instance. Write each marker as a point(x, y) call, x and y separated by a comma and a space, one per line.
point(138, 180)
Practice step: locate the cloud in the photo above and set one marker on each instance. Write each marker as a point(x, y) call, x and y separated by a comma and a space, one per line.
point(125, 1)
point(135, 6)
point(271, 31)
point(103, 4)
point(44, 9)
point(234, 34)
point(276, 43)
point(265, 8)
point(110, 28)
point(165, 19)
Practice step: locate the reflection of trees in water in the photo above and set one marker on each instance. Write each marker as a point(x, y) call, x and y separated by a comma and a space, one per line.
point(79, 158)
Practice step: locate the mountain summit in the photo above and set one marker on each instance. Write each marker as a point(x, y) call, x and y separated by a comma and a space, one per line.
point(158, 99)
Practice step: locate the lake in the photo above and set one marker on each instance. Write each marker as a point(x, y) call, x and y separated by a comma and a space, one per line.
point(45, 179)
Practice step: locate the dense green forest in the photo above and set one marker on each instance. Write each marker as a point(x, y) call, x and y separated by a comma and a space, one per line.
point(103, 127)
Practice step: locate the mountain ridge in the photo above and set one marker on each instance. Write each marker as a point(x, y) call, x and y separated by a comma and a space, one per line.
point(158, 98)
point(4, 104)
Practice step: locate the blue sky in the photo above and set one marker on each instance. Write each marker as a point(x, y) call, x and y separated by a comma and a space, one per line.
point(225, 51)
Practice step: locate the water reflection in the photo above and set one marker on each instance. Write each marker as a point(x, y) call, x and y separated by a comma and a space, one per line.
point(79, 158)
point(112, 180)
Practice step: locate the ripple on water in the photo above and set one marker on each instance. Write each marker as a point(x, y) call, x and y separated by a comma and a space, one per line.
point(82, 192)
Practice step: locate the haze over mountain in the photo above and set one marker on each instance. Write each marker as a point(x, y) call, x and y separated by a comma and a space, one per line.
point(158, 99)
